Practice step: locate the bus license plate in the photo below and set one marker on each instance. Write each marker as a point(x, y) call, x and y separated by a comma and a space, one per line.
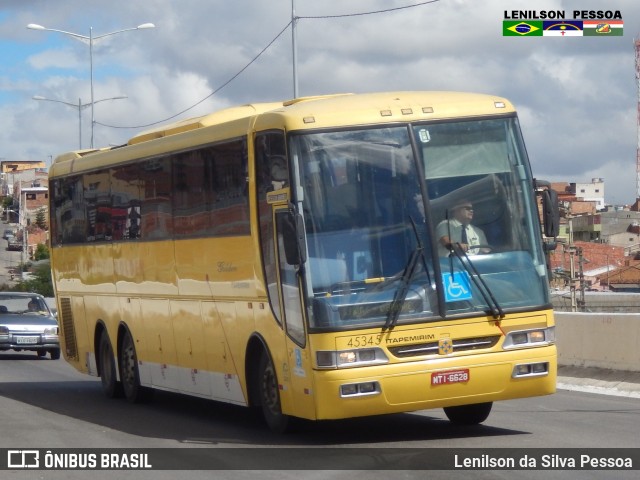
point(451, 376)
point(27, 340)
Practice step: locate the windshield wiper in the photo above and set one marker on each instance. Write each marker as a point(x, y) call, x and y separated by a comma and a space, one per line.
point(401, 293)
point(476, 277)
point(405, 281)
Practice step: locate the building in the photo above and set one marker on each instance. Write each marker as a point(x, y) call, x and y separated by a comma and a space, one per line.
point(571, 206)
point(599, 246)
point(14, 174)
point(20, 165)
point(590, 192)
point(584, 217)
point(26, 183)
point(587, 197)
point(620, 228)
point(33, 200)
point(586, 265)
point(624, 279)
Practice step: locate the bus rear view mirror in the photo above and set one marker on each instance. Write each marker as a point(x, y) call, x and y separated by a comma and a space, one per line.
point(291, 228)
point(550, 213)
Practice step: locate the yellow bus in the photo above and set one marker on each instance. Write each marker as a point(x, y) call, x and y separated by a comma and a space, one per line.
point(286, 256)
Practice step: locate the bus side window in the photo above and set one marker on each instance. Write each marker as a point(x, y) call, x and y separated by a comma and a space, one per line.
point(271, 162)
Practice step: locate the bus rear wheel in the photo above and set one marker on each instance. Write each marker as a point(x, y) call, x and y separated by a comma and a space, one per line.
point(468, 414)
point(270, 397)
point(108, 374)
point(129, 374)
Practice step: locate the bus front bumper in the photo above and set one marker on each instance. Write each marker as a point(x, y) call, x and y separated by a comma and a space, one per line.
point(421, 385)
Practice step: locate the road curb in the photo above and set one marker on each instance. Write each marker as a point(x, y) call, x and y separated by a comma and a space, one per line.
point(599, 381)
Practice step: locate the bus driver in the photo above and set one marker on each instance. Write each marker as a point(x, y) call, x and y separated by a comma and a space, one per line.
point(458, 229)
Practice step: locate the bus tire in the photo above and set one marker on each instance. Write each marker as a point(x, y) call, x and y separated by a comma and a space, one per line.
point(270, 396)
point(129, 373)
point(468, 414)
point(111, 387)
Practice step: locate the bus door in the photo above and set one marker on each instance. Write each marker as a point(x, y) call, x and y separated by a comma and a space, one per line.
point(293, 366)
point(292, 315)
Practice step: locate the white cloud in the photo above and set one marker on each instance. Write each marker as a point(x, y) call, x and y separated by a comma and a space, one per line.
point(577, 97)
point(54, 59)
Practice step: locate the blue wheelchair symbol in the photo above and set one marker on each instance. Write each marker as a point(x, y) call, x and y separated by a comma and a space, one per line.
point(456, 287)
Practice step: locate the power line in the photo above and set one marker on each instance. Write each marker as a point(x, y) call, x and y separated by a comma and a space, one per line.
point(387, 10)
point(212, 93)
point(254, 59)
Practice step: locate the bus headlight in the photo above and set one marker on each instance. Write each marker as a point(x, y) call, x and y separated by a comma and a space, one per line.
point(358, 357)
point(530, 338)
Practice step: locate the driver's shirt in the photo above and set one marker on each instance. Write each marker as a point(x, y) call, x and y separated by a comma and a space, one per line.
point(453, 230)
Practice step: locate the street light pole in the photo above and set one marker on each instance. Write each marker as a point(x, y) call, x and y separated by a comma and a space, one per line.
point(93, 117)
point(79, 123)
point(90, 40)
point(22, 221)
point(80, 106)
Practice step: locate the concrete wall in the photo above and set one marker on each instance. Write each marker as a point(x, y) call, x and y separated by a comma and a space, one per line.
point(605, 340)
point(605, 302)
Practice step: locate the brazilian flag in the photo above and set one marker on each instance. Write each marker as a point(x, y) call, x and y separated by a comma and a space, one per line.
point(519, 28)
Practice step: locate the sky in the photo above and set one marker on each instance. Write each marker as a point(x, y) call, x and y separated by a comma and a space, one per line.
point(576, 97)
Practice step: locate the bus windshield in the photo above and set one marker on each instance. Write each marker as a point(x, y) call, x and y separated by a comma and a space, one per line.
point(379, 253)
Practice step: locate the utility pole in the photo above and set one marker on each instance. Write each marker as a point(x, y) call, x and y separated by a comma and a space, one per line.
point(581, 283)
point(572, 278)
point(636, 44)
point(294, 48)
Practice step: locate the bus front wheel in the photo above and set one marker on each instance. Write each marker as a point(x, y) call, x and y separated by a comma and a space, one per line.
point(468, 414)
point(108, 375)
point(129, 374)
point(270, 396)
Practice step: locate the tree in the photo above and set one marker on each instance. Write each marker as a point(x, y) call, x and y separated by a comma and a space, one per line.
point(7, 203)
point(41, 253)
point(41, 218)
point(39, 283)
